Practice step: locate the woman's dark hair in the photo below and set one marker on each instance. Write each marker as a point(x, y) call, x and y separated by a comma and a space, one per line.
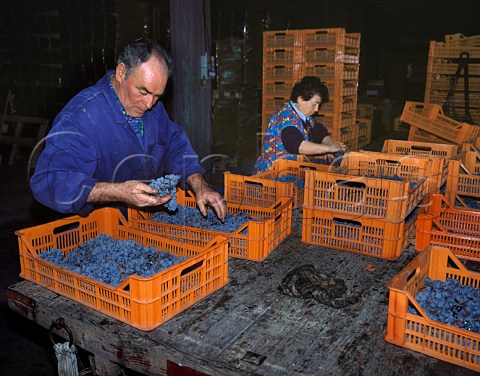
point(140, 50)
point(308, 87)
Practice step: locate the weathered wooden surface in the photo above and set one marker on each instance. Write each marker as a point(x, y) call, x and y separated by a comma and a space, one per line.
point(250, 328)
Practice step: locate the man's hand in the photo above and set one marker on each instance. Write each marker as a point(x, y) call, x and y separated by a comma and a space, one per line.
point(131, 192)
point(204, 196)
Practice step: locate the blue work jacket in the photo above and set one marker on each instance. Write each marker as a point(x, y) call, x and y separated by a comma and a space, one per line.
point(91, 141)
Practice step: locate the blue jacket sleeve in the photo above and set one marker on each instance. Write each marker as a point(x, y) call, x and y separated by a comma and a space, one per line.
point(63, 174)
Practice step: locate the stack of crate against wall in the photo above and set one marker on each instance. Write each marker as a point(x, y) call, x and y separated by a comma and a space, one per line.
point(448, 64)
point(368, 206)
point(330, 54)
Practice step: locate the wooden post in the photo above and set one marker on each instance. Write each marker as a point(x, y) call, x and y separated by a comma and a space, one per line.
point(192, 97)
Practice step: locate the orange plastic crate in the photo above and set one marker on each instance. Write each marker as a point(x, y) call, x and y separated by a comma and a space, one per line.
point(364, 131)
point(294, 168)
point(332, 54)
point(333, 71)
point(439, 223)
point(271, 226)
point(461, 180)
point(438, 153)
point(278, 88)
point(360, 185)
point(422, 149)
point(471, 160)
point(279, 39)
point(463, 202)
point(353, 233)
point(283, 72)
point(461, 40)
point(142, 302)
point(420, 135)
point(419, 332)
point(353, 194)
point(287, 55)
point(340, 104)
point(444, 51)
point(430, 118)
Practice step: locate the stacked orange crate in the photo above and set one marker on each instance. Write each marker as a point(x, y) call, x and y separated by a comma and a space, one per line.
point(283, 64)
point(333, 55)
point(368, 206)
point(443, 62)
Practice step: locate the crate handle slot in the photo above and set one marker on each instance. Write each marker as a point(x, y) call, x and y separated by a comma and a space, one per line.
point(421, 148)
point(388, 161)
point(66, 227)
point(346, 222)
point(280, 33)
point(351, 183)
point(321, 32)
point(413, 273)
point(253, 183)
point(191, 268)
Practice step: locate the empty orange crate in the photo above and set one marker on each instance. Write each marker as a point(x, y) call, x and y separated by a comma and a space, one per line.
point(142, 302)
point(333, 71)
point(461, 40)
point(287, 55)
point(282, 72)
point(270, 227)
point(332, 54)
point(419, 332)
point(353, 233)
point(430, 118)
point(293, 168)
point(439, 223)
point(461, 180)
point(279, 39)
point(278, 88)
point(416, 134)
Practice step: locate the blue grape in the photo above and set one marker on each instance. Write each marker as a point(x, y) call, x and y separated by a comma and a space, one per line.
point(186, 216)
point(167, 186)
point(111, 260)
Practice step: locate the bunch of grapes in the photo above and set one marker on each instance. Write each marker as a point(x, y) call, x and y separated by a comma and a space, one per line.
point(186, 216)
point(167, 186)
point(451, 303)
point(111, 260)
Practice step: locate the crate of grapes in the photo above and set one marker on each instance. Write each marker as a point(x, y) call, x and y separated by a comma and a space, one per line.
point(440, 224)
point(375, 185)
point(289, 177)
point(413, 326)
point(252, 232)
point(143, 302)
point(439, 154)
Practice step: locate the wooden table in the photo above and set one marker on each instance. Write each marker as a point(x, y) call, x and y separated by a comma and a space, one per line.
point(249, 327)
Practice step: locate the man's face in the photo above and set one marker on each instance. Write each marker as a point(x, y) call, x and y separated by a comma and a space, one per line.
point(143, 87)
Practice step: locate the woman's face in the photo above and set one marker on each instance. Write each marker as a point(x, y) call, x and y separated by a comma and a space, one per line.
point(308, 108)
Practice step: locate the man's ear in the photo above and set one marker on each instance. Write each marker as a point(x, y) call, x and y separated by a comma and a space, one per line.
point(121, 72)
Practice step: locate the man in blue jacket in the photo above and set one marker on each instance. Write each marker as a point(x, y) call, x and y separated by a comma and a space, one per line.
point(114, 137)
